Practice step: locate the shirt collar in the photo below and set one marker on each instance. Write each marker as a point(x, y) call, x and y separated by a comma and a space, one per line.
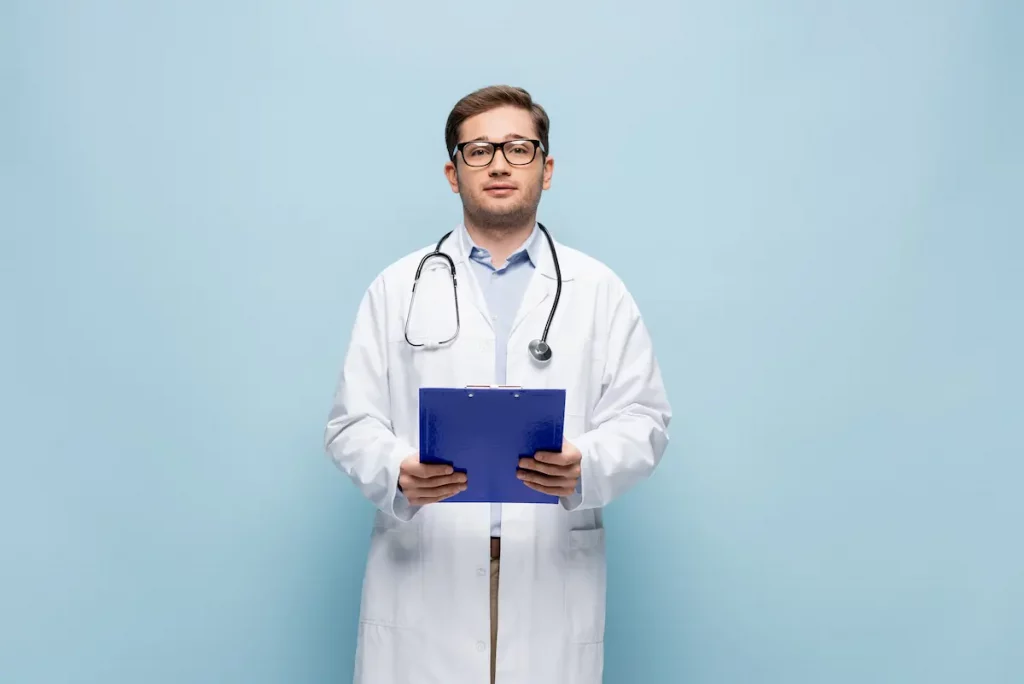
point(528, 250)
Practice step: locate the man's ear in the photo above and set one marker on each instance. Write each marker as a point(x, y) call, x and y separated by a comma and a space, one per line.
point(549, 170)
point(452, 174)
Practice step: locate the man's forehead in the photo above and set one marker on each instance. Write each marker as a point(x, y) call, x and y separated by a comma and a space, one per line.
point(504, 123)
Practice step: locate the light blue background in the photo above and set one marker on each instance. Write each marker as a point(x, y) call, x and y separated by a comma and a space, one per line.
point(816, 204)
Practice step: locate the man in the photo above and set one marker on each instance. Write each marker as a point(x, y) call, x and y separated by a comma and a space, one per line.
point(465, 593)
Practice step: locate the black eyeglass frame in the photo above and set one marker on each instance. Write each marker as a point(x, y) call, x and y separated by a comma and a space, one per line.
point(461, 147)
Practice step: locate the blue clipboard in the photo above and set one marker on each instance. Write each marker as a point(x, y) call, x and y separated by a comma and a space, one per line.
point(483, 432)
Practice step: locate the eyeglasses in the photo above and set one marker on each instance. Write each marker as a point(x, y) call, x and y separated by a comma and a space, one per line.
point(517, 152)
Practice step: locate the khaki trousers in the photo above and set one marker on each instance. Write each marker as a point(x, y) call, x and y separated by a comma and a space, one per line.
point(494, 614)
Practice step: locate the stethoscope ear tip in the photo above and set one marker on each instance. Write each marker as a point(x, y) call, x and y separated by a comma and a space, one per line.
point(540, 350)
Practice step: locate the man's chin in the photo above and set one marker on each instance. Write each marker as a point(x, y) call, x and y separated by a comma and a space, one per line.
point(510, 216)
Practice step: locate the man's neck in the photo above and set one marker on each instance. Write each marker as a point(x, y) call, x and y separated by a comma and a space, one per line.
point(499, 242)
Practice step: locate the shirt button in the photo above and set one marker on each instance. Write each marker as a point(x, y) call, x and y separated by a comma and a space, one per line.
point(481, 646)
point(481, 572)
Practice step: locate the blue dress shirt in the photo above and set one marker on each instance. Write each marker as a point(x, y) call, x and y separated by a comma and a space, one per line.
point(503, 289)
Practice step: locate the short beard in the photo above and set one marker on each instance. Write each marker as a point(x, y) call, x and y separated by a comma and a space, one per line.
point(504, 222)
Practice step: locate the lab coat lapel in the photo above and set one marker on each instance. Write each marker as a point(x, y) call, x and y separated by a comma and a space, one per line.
point(542, 285)
point(469, 293)
point(539, 290)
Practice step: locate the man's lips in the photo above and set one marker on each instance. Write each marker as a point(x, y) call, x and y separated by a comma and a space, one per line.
point(499, 189)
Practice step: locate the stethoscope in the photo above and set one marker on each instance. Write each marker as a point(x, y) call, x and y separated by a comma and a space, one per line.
point(539, 349)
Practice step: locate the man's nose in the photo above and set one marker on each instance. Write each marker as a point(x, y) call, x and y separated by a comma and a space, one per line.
point(499, 165)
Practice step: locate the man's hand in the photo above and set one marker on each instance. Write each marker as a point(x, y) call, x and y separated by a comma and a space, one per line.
point(552, 472)
point(425, 483)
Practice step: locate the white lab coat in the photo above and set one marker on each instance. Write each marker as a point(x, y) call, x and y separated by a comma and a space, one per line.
point(425, 610)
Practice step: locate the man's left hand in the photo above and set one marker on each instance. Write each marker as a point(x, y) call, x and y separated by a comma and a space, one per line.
point(552, 472)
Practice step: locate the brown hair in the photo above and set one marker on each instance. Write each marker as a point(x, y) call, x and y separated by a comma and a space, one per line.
point(492, 97)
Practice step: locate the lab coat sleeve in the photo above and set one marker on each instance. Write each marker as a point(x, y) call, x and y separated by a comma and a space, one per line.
point(630, 420)
point(359, 437)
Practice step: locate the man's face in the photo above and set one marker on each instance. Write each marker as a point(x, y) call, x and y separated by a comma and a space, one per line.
point(500, 195)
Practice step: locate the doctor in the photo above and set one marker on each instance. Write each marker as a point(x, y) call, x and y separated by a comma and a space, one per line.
point(464, 593)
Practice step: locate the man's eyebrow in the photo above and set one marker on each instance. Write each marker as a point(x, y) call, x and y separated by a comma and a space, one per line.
point(510, 136)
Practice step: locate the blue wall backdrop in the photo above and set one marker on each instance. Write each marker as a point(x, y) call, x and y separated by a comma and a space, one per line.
point(816, 204)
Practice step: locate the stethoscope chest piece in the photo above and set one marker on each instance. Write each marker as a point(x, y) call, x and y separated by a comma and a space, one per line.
point(540, 351)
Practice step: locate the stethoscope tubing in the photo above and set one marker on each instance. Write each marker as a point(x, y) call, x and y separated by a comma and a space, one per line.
point(539, 349)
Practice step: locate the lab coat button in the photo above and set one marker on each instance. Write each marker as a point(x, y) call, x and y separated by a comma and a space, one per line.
point(480, 646)
point(481, 572)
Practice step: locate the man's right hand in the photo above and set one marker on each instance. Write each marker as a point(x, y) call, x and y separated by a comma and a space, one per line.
point(425, 483)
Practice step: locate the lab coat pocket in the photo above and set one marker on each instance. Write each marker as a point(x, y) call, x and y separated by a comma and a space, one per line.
point(585, 585)
point(393, 583)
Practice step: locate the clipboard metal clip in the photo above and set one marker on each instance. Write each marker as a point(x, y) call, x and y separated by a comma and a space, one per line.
point(473, 387)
